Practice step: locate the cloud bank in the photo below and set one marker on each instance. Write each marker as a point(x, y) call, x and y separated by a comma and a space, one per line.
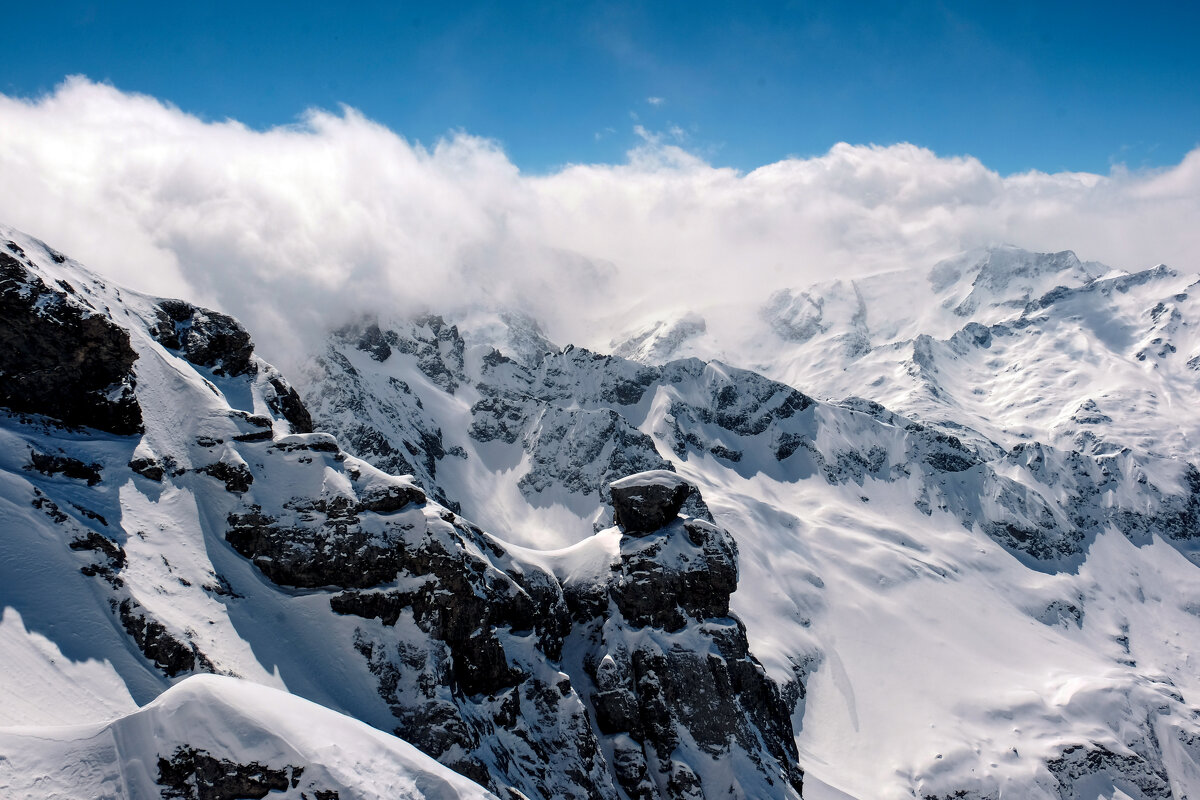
point(297, 228)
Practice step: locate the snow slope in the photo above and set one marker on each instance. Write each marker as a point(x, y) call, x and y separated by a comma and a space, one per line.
point(222, 734)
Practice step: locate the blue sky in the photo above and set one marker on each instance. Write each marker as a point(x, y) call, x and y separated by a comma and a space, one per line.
point(1051, 86)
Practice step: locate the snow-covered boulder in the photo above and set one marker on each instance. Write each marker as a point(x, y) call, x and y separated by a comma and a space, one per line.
point(648, 500)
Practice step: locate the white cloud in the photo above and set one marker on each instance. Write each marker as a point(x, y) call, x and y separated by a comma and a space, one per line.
point(655, 101)
point(299, 227)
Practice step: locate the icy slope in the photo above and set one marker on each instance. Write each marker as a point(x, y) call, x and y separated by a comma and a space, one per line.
point(222, 737)
point(179, 516)
point(989, 589)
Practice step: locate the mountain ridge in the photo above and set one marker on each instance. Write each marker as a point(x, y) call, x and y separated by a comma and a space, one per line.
point(222, 535)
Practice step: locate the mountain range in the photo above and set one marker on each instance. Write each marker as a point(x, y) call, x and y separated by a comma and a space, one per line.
point(931, 533)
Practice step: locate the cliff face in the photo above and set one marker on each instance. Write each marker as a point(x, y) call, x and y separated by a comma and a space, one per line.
point(59, 355)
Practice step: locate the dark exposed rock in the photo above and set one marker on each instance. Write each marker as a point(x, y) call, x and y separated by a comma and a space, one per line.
point(1041, 543)
point(662, 582)
point(610, 380)
point(319, 443)
point(949, 462)
point(650, 690)
point(205, 338)
point(1089, 413)
point(112, 557)
point(95, 516)
point(478, 665)
point(60, 359)
point(287, 404)
point(1085, 479)
point(328, 544)
point(680, 577)
point(498, 418)
point(236, 477)
point(449, 692)
point(647, 501)
point(254, 436)
point(48, 507)
point(373, 342)
point(1146, 777)
point(748, 403)
point(972, 335)
point(738, 401)
point(461, 601)
point(147, 468)
point(582, 450)
point(194, 774)
point(389, 498)
point(169, 654)
point(64, 465)
point(438, 348)
point(113, 553)
point(391, 430)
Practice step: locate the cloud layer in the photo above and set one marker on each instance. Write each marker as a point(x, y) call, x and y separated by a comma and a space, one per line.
point(297, 228)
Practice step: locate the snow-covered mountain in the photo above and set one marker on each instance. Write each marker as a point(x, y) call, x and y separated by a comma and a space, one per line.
point(928, 534)
point(215, 736)
point(169, 511)
point(965, 500)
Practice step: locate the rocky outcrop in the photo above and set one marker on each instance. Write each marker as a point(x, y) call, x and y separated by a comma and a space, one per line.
point(666, 581)
point(462, 640)
point(286, 402)
point(467, 650)
point(468, 643)
point(1133, 771)
point(167, 652)
point(59, 356)
point(195, 774)
point(205, 338)
point(48, 464)
point(393, 432)
point(325, 541)
point(647, 501)
point(680, 703)
point(437, 347)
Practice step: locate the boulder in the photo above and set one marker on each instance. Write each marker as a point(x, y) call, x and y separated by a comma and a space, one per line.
point(647, 501)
